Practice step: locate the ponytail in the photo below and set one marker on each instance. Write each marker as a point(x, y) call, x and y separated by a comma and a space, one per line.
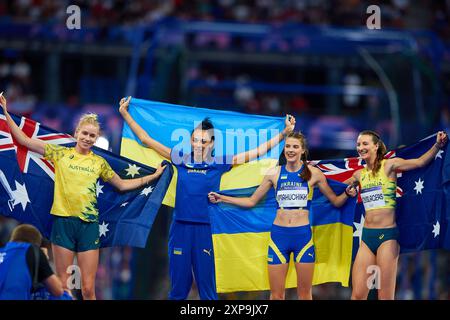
point(306, 173)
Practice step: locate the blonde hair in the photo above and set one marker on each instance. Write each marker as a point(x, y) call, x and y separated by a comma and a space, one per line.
point(88, 118)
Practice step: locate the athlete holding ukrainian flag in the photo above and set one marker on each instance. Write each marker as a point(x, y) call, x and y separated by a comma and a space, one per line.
point(378, 183)
point(190, 238)
point(75, 229)
point(291, 230)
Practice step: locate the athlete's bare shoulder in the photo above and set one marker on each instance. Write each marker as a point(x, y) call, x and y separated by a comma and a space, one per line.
point(273, 172)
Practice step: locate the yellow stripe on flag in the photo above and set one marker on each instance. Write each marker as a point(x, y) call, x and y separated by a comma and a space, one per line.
point(241, 259)
point(241, 262)
point(133, 150)
point(333, 247)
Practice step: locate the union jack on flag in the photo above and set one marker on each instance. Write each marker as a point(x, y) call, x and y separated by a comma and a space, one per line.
point(32, 130)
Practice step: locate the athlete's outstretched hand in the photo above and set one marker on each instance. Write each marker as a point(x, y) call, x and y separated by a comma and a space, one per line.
point(124, 105)
point(441, 139)
point(289, 124)
point(214, 197)
point(3, 102)
point(351, 191)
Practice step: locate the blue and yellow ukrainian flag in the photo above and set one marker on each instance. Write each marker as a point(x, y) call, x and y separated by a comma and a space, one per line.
point(235, 132)
point(240, 236)
point(241, 239)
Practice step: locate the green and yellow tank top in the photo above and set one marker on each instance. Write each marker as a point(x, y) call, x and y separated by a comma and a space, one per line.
point(377, 191)
point(76, 178)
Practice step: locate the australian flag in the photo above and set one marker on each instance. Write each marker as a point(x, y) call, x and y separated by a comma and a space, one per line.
point(27, 183)
point(423, 197)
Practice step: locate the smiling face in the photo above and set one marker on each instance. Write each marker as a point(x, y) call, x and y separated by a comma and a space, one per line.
point(365, 147)
point(86, 136)
point(201, 143)
point(293, 150)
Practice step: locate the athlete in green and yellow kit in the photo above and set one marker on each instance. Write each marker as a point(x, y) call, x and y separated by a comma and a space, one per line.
point(75, 229)
point(378, 184)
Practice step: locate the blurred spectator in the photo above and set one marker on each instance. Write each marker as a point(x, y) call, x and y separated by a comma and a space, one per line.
point(107, 13)
point(15, 80)
point(444, 119)
point(351, 82)
point(298, 105)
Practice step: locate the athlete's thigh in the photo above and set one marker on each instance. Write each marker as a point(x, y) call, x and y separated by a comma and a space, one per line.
point(387, 260)
point(277, 278)
point(364, 259)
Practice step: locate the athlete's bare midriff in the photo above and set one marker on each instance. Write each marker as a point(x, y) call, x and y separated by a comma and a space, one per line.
point(380, 218)
point(291, 218)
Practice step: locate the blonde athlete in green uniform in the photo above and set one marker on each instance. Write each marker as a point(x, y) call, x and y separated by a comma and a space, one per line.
point(75, 228)
point(378, 183)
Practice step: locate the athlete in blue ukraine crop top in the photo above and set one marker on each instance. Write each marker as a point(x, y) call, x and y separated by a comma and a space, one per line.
point(291, 232)
point(292, 191)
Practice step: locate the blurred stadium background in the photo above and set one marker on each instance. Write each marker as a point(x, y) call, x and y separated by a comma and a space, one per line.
point(315, 59)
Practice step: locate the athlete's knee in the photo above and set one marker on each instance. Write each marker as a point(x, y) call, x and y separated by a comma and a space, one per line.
point(304, 293)
point(385, 295)
point(359, 295)
point(88, 291)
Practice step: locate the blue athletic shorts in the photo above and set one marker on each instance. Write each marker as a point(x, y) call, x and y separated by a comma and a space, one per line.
point(287, 240)
point(373, 238)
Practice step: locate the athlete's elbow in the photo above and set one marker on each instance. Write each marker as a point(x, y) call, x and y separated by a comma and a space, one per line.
point(121, 185)
point(337, 202)
point(145, 141)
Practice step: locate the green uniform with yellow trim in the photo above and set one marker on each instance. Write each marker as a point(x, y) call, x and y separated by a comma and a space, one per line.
point(378, 191)
point(75, 225)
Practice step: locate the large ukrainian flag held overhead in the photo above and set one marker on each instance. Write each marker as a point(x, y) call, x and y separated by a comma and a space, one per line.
point(235, 132)
point(240, 236)
point(241, 239)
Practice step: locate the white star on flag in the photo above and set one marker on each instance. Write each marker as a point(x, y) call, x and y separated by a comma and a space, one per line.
point(99, 188)
point(103, 228)
point(132, 170)
point(124, 204)
point(20, 195)
point(419, 186)
point(436, 229)
point(439, 154)
point(147, 191)
point(359, 226)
